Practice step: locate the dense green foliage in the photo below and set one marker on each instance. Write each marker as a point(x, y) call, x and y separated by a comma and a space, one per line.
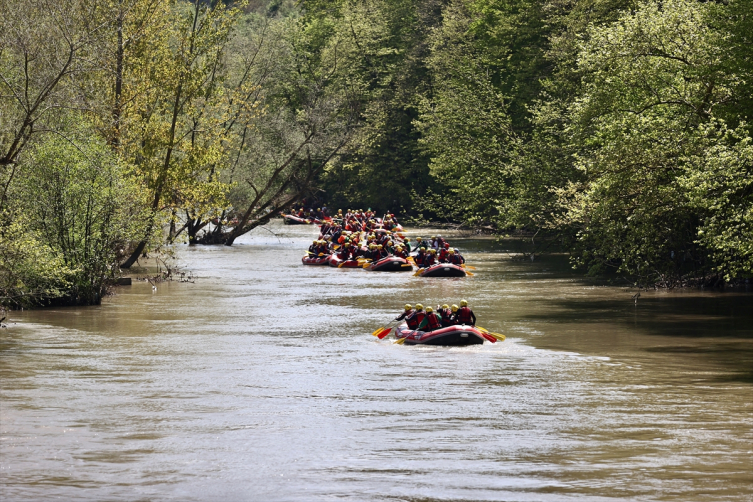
point(619, 125)
point(622, 127)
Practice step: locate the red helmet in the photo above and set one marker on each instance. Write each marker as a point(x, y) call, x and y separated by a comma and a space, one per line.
point(447, 245)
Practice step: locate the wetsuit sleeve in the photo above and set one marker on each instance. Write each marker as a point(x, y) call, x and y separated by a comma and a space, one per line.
point(473, 319)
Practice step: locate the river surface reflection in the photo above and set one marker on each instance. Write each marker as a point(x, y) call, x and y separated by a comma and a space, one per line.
point(261, 382)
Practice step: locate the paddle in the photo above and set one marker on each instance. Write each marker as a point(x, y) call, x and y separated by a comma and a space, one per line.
point(489, 337)
point(378, 330)
point(497, 336)
point(418, 272)
point(469, 267)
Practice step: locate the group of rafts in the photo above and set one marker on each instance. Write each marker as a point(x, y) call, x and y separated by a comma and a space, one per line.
point(358, 239)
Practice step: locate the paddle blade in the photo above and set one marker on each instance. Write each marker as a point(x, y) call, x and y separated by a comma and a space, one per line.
point(400, 341)
point(418, 272)
point(489, 337)
point(497, 336)
point(341, 265)
point(406, 265)
point(469, 273)
point(384, 333)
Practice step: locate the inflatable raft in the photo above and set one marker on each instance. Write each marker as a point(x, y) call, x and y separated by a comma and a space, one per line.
point(443, 270)
point(334, 261)
point(391, 264)
point(289, 219)
point(451, 335)
point(315, 260)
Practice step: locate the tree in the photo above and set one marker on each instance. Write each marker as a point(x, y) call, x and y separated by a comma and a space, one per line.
point(309, 115)
point(73, 211)
point(176, 135)
point(654, 80)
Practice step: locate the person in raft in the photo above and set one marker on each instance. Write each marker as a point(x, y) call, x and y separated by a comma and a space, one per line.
point(455, 258)
point(447, 315)
point(408, 311)
point(416, 317)
point(431, 321)
point(464, 314)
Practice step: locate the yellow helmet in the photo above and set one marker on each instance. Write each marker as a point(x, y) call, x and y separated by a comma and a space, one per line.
point(418, 239)
point(389, 243)
point(445, 306)
point(408, 306)
point(454, 308)
point(451, 251)
point(433, 251)
point(429, 309)
point(419, 307)
point(463, 303)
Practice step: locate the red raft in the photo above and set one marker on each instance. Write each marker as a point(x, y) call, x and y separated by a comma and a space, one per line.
point(335, 261)
point(289, 219)
point(315, 260)
point(443, 270)
point(391, 264)
point(451, 335)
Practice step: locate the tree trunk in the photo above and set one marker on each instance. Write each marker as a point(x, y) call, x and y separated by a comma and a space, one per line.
point(134, 256)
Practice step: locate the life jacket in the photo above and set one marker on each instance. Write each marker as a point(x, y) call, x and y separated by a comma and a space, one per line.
point(446, 317)
point(464, 315)
point(455, 259)
point(442, 255)
point(429, 261)
point(415, 319)
point(432, 322)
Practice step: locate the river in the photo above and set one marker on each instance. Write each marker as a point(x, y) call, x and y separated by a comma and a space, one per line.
point(261, 382)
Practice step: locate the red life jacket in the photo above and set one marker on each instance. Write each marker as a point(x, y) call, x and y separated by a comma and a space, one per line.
point(432, 322)
point(415, 319)
point(464, 315)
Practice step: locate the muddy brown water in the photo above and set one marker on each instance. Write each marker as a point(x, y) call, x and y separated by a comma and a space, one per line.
point(261, 382)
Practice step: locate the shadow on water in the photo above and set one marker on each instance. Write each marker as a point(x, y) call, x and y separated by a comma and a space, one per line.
point(680, 314)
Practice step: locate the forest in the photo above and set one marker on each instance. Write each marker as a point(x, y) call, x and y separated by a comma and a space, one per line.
point(618, 129)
